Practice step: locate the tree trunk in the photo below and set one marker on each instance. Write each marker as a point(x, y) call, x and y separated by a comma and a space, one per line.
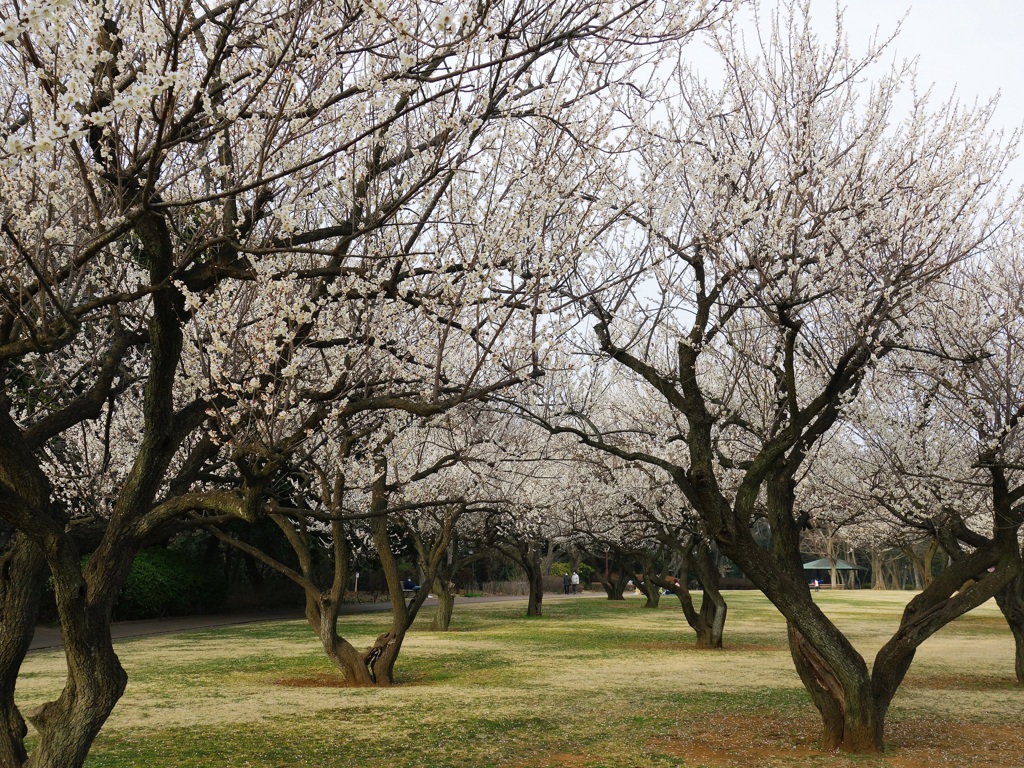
point(614, 583)
point(713, 608)
point(22, 575)
point(917, 568)
point(376, 666)
point(535, 578)
point(852, 720)
point(95, 680)
point(926, 561)
point(322, 615)
point(68, 725)
point(922, 563)
point(380, 659)
point(647, 585)
point(896, 582)
point(707, 622)
point(1010, 600)
point(653, 594)
point(833, 672)
point(851, 576)
point(549, 557)
point(445, 605)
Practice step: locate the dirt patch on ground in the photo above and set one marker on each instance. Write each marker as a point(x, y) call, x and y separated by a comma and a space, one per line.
point(322, 680)
point(675, 645)
point(962, 682)
point(763, 742)
point(925, 743)
point(737, 741)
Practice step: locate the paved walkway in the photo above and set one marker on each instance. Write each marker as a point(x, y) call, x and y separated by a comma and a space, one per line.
point(49, 637)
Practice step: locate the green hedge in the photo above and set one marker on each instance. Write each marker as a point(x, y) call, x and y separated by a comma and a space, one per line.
point(163, 582)
point(585, 571)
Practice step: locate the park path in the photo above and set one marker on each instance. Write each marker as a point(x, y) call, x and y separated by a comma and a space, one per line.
point(49, 637)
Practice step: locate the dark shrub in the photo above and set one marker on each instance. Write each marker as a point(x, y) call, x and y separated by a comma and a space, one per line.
point(167, 583)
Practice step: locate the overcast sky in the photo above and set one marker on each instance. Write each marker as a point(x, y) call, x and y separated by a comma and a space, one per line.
point(975, 46)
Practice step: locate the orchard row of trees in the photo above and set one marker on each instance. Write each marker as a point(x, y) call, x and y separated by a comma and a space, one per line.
point(469, 273)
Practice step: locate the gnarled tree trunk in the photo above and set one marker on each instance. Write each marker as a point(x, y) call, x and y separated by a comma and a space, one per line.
point(877, 575)
point(852, 720)
point(647, 584)
point(22, 575)
point(533, 566)
point(614, 580)
point(713, 608)
point(445, 605)
point(96, 680)
point(708, 622)
point(323, 618)
point(1010, 600)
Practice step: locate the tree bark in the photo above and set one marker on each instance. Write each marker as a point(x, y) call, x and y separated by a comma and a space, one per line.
point(652, 594)
point(852, 719)
point(648, 586)
point(440, 555)
point(445, 605)
point(22, 576)
point(535, 578)
point(877, 577)
point(707, 622)
point(835, 675)
point(713, 608)
point(68, 725)
point(95, 681)
point(381, 657)
point(375, 666)
point(322, 616)
point(1010, 600)
point(922, 563)
point(614, 582)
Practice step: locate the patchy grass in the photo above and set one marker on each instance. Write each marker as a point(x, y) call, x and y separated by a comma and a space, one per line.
point(594, 683)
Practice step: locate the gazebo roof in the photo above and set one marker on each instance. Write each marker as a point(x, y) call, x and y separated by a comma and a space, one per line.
point(825, 564)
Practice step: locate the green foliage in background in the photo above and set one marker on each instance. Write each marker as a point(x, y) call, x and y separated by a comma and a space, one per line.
point(164, 582)
point(585, 571)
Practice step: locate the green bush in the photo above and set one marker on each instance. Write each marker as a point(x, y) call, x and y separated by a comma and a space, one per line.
point(585, 571)
point(167, 583)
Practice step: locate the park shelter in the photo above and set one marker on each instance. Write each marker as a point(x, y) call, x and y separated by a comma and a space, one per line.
point(827, 564)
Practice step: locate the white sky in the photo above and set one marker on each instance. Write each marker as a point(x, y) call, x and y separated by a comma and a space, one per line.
point(974, 46)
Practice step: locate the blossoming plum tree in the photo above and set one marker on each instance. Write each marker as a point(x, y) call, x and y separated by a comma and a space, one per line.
point(791, 227)
point(941, 450)
point(279, 162)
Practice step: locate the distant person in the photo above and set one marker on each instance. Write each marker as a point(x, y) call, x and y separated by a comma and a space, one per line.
point(566, 582)
point(409, 585)
point(816, 586)
point(575, 581)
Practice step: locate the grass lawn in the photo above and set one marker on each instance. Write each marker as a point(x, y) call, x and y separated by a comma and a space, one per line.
point(592, 683)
